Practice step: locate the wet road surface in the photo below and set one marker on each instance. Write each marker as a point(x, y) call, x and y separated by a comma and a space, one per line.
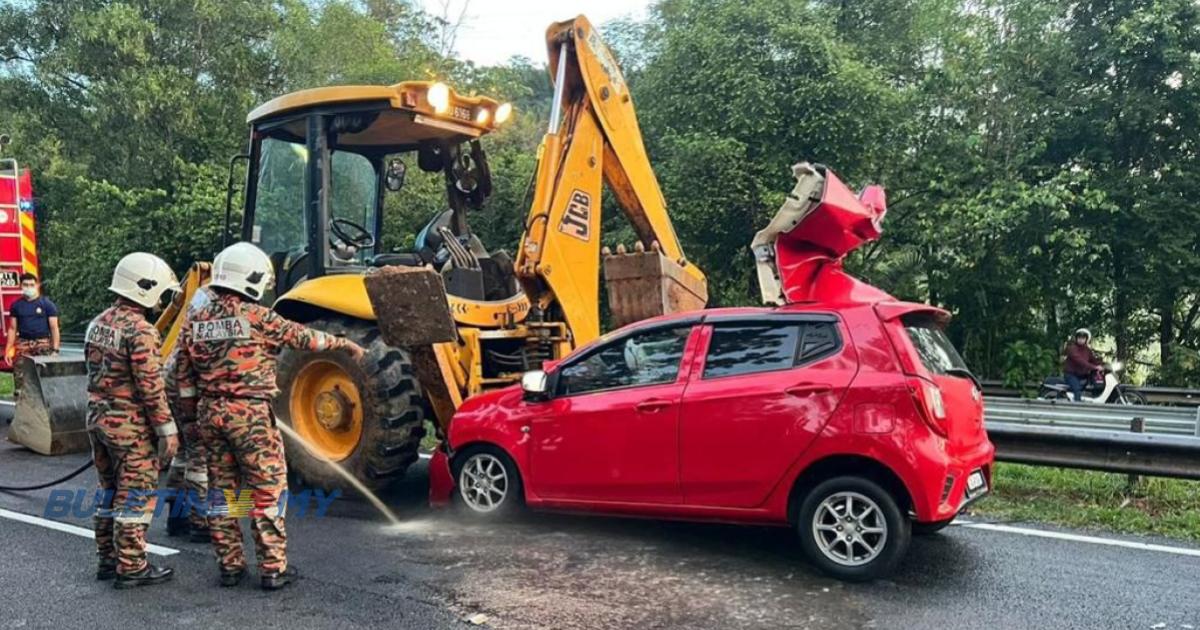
point(439, 569)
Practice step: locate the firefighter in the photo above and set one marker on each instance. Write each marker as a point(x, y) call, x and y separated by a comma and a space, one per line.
point(129, 423)
point(188, 477)
point(226, 370)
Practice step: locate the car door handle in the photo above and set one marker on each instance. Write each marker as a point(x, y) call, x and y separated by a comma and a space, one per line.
point(808, 389)
point(652, 405)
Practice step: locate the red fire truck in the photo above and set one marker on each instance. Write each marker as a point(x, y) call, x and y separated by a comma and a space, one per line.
point(18, 238)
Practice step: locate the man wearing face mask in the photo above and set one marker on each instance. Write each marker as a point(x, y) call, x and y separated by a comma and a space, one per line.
point(32, 324)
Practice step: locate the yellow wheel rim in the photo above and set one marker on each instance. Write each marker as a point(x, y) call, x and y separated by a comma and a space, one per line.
point(326, 409)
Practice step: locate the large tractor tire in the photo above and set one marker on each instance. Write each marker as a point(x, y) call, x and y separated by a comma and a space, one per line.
point(368, 418)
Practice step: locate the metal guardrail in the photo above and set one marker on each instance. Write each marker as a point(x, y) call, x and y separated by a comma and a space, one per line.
point(1111, 451)
point(1180, 396)
point(1158, 419)
point(1134, 439)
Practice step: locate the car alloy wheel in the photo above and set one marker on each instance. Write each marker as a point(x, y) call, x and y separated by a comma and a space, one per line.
point(483, 482)
point(850, 529)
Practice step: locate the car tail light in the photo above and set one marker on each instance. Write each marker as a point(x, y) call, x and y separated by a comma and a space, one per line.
point(928, 398)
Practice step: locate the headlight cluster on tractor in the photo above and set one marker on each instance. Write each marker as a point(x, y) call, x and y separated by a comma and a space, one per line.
point(439, 98)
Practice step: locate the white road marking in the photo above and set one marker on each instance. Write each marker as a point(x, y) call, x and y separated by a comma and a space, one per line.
point(72, 529)
point(1093, 540)
point(8, 403)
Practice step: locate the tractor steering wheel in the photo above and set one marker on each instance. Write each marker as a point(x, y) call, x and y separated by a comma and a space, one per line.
point(352, 234)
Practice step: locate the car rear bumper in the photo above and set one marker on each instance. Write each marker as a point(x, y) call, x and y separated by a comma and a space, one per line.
point(441, 481)
point(943, 492)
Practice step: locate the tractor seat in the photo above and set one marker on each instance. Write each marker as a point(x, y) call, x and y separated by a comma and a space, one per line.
point(399, 259)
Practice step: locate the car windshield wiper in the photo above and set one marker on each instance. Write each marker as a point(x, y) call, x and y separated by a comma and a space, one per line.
point(965, 373)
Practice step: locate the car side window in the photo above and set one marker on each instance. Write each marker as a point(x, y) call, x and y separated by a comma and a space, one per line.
point(646, 358)
point(751, 347)
point(817, 341)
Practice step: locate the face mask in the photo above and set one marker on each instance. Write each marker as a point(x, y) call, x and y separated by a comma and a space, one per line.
point(29, 292)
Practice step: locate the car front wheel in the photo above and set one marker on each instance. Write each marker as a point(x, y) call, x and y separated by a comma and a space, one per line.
point(488, 482)
point(852, 529)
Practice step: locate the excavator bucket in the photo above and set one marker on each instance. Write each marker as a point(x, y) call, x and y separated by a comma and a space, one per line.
point(645, 283)
point(50, 416)
point(799, 254)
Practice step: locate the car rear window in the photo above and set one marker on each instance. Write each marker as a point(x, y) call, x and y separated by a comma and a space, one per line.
point(933, 346)
point(747, 348)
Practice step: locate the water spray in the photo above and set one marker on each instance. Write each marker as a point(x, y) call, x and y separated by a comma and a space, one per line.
point(358, 485)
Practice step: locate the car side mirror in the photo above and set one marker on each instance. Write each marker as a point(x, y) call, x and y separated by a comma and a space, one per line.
point(536, 384)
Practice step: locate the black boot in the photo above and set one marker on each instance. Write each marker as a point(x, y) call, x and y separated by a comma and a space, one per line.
point(146, 577)
point(232, 578)
point(276, 581)
point(106, 571)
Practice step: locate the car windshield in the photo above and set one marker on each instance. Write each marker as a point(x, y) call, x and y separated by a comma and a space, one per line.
point(933, 346)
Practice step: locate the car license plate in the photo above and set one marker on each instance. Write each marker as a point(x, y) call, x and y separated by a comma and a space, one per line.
point(976, 482)
point(9, 279)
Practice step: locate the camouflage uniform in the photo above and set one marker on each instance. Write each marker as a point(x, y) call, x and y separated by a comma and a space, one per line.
point(227, 359)
point(127, 411)
point(188, 476)
point(28, 348)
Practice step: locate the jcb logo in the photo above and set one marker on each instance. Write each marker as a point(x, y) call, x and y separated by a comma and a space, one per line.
point(577, 220)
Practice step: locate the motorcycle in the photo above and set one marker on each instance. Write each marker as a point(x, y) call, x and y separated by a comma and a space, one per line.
point(1102, 387)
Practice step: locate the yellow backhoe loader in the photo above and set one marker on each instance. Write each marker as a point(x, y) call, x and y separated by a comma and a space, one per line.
point(450, 318)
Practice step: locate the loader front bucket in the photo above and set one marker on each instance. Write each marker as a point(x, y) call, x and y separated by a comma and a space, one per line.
point(410, 305)
point(413, 313)
point(643, 284)
point(51, 412)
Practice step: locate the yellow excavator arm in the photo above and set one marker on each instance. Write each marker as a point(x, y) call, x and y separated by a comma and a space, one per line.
point(593, 137)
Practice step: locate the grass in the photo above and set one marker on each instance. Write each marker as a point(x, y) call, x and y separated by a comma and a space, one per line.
point(430, 441)
point(6, 385)
point(1094, 500)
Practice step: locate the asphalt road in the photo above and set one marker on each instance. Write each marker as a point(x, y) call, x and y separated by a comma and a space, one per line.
point(436, 570)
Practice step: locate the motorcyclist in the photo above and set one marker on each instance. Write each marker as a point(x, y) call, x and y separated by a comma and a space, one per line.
point(1080, 363)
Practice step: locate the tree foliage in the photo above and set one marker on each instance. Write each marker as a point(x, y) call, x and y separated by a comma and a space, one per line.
point(1040, 156)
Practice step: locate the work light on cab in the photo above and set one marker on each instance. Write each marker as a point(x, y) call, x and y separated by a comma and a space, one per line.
point(439, 97)
point(481, 116)
point(503, 113)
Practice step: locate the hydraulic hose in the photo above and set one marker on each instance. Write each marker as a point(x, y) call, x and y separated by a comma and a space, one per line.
point(68, 477)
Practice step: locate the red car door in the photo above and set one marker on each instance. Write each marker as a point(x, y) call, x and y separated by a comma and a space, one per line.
point(765, 389)
point(611, 430)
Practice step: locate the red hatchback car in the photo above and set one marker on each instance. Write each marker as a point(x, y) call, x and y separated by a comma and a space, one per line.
point(844, 413)
point(854, 425)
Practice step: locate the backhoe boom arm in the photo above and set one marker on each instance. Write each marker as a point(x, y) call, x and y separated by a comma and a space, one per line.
point(593, 137)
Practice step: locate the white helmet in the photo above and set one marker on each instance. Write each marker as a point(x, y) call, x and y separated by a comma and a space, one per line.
point(242, 268)
point(143, 278)
point(1083, 332)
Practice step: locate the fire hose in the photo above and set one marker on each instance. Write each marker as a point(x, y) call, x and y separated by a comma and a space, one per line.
point(68, 477)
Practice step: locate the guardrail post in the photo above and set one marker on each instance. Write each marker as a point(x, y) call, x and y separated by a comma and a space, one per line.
point(1137, 425)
